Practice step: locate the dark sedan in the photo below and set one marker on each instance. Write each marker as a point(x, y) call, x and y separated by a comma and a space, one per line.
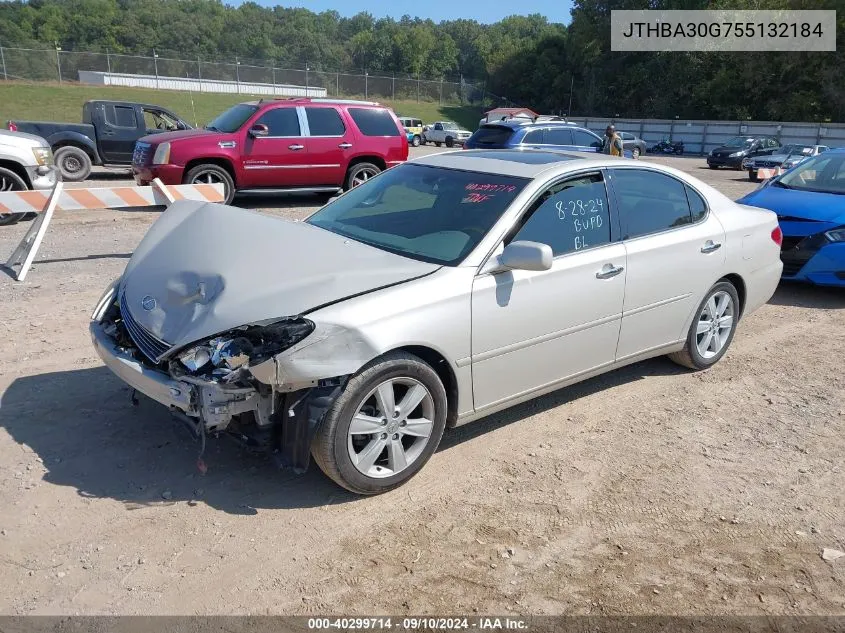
point(732, 153)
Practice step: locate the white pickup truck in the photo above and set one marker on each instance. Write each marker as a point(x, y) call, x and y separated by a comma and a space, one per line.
point(26, 162)
point(445, 133)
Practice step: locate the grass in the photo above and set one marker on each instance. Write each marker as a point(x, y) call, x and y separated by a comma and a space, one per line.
point(63, 102)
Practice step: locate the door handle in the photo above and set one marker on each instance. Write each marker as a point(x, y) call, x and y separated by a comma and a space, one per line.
point(710, 246)
point(295, 147)
point(609, 270)
point(345, 145)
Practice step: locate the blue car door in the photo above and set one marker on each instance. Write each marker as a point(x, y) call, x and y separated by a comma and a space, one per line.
point(586, 141)
point(559, 138)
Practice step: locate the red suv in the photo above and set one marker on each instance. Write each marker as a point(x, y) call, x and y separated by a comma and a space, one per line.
point(319, 145)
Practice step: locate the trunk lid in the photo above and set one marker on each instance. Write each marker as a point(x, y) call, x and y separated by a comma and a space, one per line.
point(206, 268)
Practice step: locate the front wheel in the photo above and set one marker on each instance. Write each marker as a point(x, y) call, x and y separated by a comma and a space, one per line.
point(210, 174)
point(450, 142)
point(635, 152)
point(438, 143)
point(73, 162)
point(712, 330)
point(752, 176)
point(416, 140)
point(10, 181)
point(361, 173)
point(384, 427)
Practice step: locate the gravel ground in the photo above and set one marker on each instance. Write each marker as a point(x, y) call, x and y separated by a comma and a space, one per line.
point(651, 490)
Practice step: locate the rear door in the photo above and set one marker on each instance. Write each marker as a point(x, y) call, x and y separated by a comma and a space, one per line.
point(558, 138)
point(674, 252)
point(117, 133)
point(330, 142)
point(280, 158)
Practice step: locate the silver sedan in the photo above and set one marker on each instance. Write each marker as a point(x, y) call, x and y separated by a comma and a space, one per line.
point(444, 290)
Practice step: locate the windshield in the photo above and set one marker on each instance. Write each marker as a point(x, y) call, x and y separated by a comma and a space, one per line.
point(448, 125)
point(739, 141)
point(824, 173)
point(232, 119)
point(430, 214)
point(795, 149)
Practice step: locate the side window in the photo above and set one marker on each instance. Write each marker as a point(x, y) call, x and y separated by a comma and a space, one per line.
point(569, 216)
point(121, 116)
point(697, 206)
point(417, 123)
point(534, 137)
point(582, 138)
point(649, 202)
point(438, 126)
point(625, 136)
point(374, 122)
point(281, 122)
point(324, 122)
point(558, 136)
point(157, 120)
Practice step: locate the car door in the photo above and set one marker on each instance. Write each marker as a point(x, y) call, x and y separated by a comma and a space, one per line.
point(278, 159)
point(330, 142)
point(534, 139)
point(117, 135)
point(674, 250)
point(558, 138)
point(531, 329)
point(586, 141)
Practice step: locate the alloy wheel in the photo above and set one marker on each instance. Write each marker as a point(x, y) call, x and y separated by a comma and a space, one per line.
point(363, 176)
point(715, 324)
point(391, 427)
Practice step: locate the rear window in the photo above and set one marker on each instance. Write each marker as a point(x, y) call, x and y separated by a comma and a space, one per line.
point(374, 122)
point(492, 135)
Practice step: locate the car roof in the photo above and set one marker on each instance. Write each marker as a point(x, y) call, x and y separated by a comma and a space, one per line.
point(520, 163)
point(528, 123)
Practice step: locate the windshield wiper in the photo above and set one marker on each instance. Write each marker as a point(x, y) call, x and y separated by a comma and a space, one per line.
point(778, 183)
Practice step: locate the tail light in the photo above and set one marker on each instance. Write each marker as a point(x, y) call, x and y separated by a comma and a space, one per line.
point(11, 126)
point(777, 236)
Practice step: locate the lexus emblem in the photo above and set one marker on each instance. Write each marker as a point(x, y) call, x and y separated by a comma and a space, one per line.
point(148, 303)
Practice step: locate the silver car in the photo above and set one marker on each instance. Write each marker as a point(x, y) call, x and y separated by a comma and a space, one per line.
point(444, 290)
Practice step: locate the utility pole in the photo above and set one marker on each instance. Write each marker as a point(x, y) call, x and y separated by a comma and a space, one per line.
point(366, 87)
point(306, 79)
point(199, 72)
point(393, 88)
point(238, 74)
point(155, 64)
point(571, 86)
point(108, 61)
point(59, 62)
point(3, 57)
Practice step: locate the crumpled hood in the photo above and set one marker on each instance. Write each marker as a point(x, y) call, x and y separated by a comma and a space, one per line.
point(792, 203)
point(206, 268)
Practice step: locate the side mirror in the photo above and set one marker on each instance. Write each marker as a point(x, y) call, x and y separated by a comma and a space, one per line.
point(258, 130)
point(524, 255)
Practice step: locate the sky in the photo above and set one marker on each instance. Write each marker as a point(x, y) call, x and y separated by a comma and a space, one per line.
point(481, 10)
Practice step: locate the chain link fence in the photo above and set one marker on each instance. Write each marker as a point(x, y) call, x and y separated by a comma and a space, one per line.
point(27, 64)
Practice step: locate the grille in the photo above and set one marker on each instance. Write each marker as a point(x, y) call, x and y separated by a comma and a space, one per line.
point(790, 242)
point(766, 163)
point(151, 346)
point(792, 267)
point(141, 155)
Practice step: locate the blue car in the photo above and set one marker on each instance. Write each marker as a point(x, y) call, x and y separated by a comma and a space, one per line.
point(809, 200)
point(527, 134)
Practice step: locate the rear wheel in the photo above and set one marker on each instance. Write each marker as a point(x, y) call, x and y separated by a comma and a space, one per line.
point(635, 152)
point(712, 330)
point(360, 173)
point(210, 174)
point(438, 143)
point(10, 181)
point(752, 176)
point(384, 427)
point(416, 140)
point(73, 162)
point(450, 142)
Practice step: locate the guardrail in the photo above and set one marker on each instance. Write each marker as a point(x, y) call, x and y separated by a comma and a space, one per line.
point(44, 204)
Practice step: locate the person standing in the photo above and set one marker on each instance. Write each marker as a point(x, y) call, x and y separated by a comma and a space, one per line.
point(612, 142)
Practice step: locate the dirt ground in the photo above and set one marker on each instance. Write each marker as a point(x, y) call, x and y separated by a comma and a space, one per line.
point(651, 490)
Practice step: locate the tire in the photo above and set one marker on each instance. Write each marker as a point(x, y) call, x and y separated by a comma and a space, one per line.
point(713, 166)
point(438, 143)
point(701, 352)
point(360, 173)
point(416, 140)
point(333, 447)
point(210, 173)
point(10, 181)
point(73, 162)
point(450, 142)
point(635, 152)
point(752, 176)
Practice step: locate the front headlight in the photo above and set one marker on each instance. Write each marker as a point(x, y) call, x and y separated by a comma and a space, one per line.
point(43, 155)
point(105, 302)
point(162, 154)
point(736, 154)
point(225, 355)
point(836, 235)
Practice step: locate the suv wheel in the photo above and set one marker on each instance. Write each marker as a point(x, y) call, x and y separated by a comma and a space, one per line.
point(450, 142)
point(212, 174)
point(10, 181)
point(73, 162)
point(384, 427)
point(360, 173)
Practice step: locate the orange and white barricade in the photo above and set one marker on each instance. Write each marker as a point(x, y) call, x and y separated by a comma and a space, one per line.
point(765, 174)
point(45, 203)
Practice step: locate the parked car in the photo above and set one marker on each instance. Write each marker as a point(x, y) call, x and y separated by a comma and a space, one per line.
point(106, 135)
point(550, 135)
point(437, 293)
point(445, 133)
point(26, 162)
point(732, 153)
point(633, 143)
point(273, 145)
point(413, 129)
point(786, 157)
point(809, 200)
